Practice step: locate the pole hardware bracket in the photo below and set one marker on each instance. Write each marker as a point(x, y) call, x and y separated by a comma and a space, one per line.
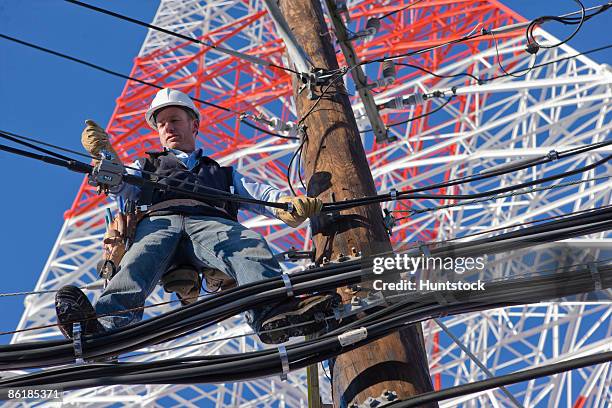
point(386, 398)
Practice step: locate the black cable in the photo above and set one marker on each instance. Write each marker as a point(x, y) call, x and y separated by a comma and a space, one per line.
point(564, 20)
point(40, 142)
point(401, 9)
point(299, 165)
point(218, 194)
point(221, 194)
point(448, 100)
point(471, 36)
point(519, 166)
point(438, 75)
point(506, 73)
point(30, 145)
point(267, 131)
point(80, 167)
point(140, 81)
point(172, 33)
point(296, 153)
point(423, 50)
point(241, 366)
point(502, 380)
point(323, 93)
point(229, 303)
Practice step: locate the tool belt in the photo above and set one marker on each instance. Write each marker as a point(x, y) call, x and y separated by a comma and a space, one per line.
point(184, 280)
point(118, 238)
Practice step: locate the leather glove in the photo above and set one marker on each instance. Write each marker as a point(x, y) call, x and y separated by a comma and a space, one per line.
point(185, 282)
point(303, 207)
point(94, 139)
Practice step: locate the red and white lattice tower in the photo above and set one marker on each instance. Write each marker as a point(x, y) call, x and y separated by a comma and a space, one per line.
point(560, 106)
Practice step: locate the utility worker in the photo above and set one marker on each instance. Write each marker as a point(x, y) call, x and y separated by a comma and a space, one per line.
point(203, 233)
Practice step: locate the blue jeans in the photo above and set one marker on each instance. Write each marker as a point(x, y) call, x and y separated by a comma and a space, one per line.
point(199, 240)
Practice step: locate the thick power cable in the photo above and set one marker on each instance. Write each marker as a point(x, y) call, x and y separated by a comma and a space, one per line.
point(80, 167)
point(502, 380)
point(498, 196)
point(332, 207)
point(224, 305)
point(240, 366)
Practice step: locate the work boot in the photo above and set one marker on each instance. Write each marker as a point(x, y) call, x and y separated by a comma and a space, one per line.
point(300, 316)
point(71, 305)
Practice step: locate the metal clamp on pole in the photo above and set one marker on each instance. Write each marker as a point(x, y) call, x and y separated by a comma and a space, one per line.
point(106, 173)
point(596, 276)
point(359, 304)
point(553, 155)
point(282, 351)
point(77, 343)
point(393, 194)
point(288, 284)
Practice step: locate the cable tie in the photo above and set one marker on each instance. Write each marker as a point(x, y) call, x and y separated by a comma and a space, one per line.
point(393, 193)
point(282, 351)
point(77, 343)
point(553, 155)
point(352, 336)
point(596, 276)
point(288, 284)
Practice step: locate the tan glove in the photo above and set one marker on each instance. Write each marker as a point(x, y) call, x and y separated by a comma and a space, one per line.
point(185, 282)
point(94, 139)
point(303, 207)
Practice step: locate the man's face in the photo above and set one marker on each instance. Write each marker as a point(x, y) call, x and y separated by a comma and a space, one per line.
point(176, 129)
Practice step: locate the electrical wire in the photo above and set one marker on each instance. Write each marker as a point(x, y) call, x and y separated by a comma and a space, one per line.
point(506, 73)
point(218, 307)
point(467, 37)
point(242, 116)
point(497, 197)
point(413, 309)
point(502, 380)
point(324, 92)
point(467, 74)
point(565, 20)
point(296, 153)
point(14, 137)
point(401, 9)
point(448, 100)
point(205, 193)
point(214, 194)
point(427, 244)
point(245, 57)
point(332, 207)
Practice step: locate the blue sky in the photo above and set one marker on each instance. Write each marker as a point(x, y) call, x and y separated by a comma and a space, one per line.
point(49, 98)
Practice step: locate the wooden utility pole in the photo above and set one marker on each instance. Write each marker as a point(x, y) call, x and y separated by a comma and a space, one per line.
point(336, 169)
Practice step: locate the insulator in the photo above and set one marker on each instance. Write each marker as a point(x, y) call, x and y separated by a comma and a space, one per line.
point(414, 99)
point(371, 28)
point(400, 102)
point(388, 71)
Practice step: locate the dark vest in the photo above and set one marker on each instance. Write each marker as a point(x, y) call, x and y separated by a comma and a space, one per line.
point(170, 170)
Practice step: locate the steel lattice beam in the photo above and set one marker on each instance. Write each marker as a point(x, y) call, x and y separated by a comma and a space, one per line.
point(559, 106)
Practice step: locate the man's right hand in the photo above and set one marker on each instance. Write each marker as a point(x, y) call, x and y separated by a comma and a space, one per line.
point(94, 139)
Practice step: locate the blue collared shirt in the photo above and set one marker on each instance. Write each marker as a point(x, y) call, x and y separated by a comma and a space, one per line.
point(243, 186)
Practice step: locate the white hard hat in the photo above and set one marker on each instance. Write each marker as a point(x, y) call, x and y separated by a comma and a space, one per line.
point(169, 97)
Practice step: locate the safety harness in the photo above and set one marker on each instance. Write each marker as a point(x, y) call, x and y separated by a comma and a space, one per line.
point(184, 280)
